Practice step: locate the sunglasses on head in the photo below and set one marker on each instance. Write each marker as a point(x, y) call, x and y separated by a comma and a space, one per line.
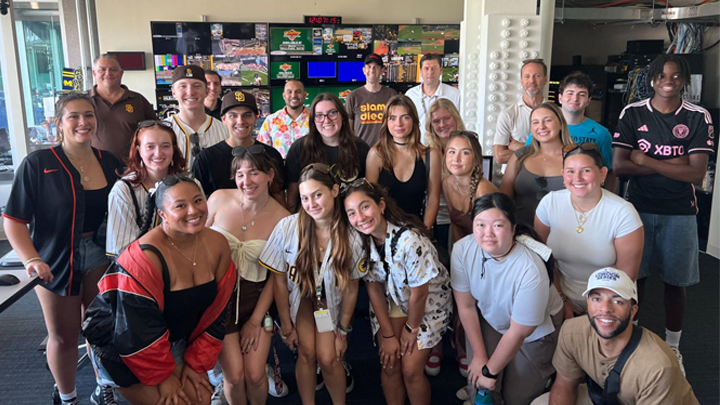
point(152, 123)
point(173, 179)
point(357, 184)
point(241, 150)
point(586, 146)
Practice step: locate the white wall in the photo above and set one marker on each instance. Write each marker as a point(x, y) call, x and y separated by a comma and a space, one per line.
point(125, 25)
point(596, 43)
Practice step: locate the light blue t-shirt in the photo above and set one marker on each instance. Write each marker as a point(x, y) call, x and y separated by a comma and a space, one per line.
point(591, 131)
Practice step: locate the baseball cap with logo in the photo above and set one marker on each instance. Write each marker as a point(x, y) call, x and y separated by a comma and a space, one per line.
point(189, 72)
point(238, 99)
point(614, 280)
point(374, 58)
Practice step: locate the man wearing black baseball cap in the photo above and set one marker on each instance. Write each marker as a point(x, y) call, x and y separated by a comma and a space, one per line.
point(212, 165)
point(366, 104)
point(194, 129)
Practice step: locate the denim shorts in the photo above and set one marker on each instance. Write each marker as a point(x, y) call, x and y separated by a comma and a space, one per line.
point(91, 255)
point(177, 349)
point(671, 246)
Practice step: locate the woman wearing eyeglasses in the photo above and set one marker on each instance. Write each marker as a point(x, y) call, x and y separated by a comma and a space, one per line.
point(246, 216)
point(318, 261)
point(153, 155)
point(409, 289)
point(401, 163)
point(587, 227)
point(62, 193)
point(331, 141)
point(503, 273)
point(156, 326)
point(535, 170)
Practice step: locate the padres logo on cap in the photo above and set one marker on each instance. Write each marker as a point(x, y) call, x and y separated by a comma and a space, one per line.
point(239, 96)
point(188, 72)
point(129, 108)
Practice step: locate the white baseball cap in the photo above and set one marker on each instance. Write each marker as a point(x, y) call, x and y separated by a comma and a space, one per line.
point(614, 280)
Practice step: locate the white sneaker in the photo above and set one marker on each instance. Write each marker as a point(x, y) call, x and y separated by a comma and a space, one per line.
point(463, 393)
point(218, 396)
point(680, 359)
point(276, 388)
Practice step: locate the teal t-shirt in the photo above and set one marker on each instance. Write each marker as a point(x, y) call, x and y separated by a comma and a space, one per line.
point(591, 131)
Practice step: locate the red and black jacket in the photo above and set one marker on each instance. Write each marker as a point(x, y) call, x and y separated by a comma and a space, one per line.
point(47, 194)
point(127, 317)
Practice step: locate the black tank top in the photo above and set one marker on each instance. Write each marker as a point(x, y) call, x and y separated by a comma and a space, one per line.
point(409, 195)
point(95, 208)
point(183, 308)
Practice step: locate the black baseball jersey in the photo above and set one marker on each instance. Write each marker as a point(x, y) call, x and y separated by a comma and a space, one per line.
point(683, 132)
point(47, 194)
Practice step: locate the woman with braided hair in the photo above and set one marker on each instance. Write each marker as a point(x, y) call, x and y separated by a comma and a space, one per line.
point(464, 182)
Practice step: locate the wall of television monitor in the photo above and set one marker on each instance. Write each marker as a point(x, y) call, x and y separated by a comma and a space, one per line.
point(260, 57)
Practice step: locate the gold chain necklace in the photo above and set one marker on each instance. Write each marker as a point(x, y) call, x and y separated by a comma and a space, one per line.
point(581, 217)
point(81, 167)
point(194, 263)
point(252, 220)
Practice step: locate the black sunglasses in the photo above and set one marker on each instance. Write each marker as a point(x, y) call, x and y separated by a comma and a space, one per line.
point(152, 123)
point(173, 179)
point(321, 167)
point(195, 140)
point(241, 150)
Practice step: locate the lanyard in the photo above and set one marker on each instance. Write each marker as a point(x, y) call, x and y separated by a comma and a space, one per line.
point(320, 273)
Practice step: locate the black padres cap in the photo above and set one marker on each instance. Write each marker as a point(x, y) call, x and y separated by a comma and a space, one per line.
point(188, 72)
point(238, 99)
point(374, 58)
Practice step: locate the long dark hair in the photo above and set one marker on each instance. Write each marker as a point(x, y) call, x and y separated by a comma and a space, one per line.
point(134, 160)
point(507, 207)
point(386, 146)
point(341, 253)
point(313, 151)
point(393, 213)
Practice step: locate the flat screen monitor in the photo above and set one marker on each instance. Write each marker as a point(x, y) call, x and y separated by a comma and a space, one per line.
point(321, 70)
point(351, 72)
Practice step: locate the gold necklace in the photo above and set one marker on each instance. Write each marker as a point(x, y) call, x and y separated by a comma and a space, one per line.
point(194, 263)
point(252, 220)
point(582, 217)
point(81, 167)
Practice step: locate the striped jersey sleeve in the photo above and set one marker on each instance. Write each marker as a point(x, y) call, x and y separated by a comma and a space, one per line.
point(280, 245)
point(122, 222)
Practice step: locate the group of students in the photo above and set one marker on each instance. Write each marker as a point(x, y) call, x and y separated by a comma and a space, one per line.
point(198, 278)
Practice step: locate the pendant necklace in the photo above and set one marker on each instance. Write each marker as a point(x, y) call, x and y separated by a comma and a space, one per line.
point(80, 167)
point(581, 217)
point(252, 220)
point(194, 263)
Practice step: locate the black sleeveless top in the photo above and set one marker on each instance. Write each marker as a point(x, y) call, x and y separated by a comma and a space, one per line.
point(409, 195)
point(96, 203)
point(183, 308)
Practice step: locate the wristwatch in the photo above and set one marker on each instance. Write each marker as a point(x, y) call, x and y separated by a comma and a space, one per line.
point(486, 373)
point(411, 329)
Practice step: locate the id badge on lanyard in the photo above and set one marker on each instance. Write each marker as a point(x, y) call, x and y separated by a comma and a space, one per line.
point(323, 321)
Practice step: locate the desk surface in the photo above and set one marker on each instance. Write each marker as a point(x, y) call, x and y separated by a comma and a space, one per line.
point(12, 293)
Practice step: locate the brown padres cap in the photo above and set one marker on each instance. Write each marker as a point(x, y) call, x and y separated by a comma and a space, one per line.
point(188, 72)
point(238, 99)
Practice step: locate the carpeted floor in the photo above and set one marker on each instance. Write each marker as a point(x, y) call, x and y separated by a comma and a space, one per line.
point(24, 378)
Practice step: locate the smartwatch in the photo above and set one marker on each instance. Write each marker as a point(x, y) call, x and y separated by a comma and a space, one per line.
point(486, 373)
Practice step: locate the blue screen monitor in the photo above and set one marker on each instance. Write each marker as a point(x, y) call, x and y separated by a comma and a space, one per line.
point(351, 71)
point(321, 70)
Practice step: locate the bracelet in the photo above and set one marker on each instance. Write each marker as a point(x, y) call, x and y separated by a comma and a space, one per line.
point(32, 259)
point(411, 329)
point(284, 337)
point(563, 297)
point(389, 337)
point(344, 329)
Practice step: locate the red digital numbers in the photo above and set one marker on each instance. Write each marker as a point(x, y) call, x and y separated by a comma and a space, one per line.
point(319, 20)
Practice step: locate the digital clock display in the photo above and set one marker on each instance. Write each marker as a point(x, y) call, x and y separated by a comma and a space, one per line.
point(320, 20)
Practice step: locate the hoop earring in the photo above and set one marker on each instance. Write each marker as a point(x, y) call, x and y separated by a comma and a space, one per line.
point(172, 163)
point(142, 163)
point(652, 83)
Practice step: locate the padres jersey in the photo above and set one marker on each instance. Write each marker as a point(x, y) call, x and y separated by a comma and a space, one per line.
point(664, 136)
point(280, 256)
point(211, 132)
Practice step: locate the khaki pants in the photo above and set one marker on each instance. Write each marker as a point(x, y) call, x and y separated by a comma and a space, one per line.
point(529, 373)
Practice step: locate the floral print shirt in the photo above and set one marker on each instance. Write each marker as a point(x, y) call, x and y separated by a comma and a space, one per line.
point(280, 131)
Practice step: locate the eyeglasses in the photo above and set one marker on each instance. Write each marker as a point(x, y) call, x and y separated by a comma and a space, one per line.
point(152, 123)
point(173, 179)
point(195, 140)
point(586, 146)
point(241, 150)
point(332, 115)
